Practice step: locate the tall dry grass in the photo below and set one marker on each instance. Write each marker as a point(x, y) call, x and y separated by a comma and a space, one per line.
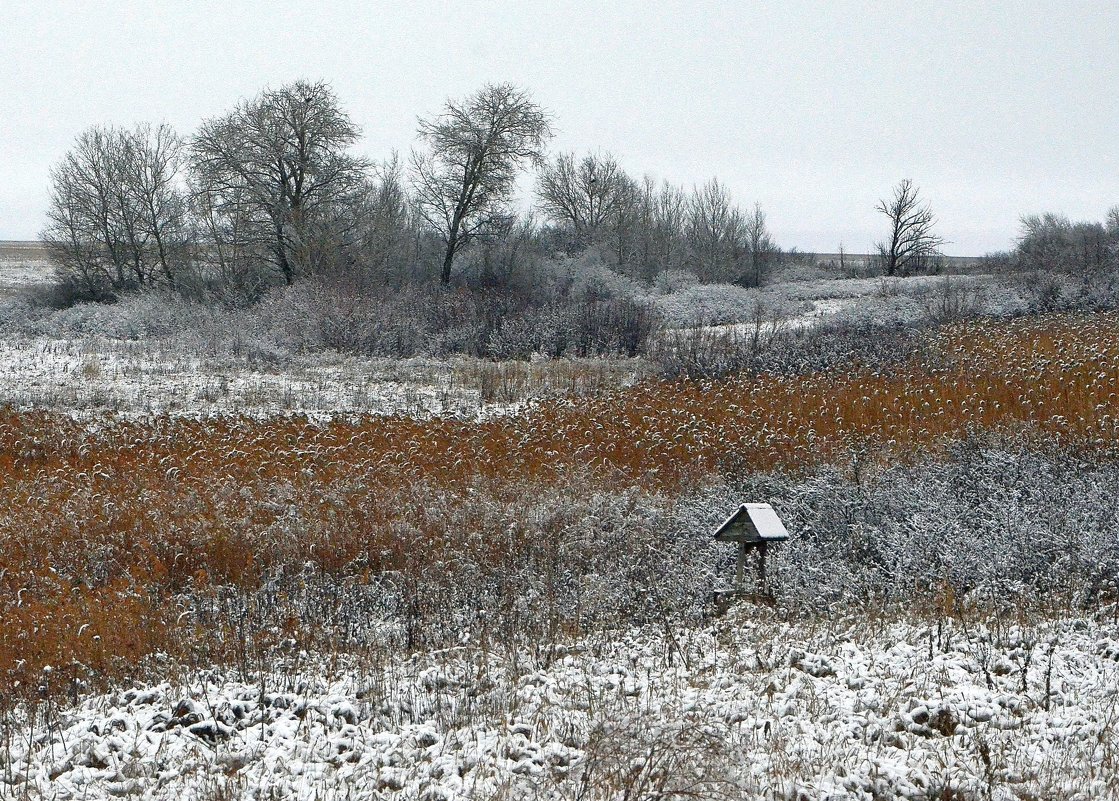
point(110, 531)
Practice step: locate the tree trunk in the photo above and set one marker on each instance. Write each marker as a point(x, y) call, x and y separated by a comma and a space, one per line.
point(162, 250)
point(448, 259)
point(282, 257)
point(452, 246)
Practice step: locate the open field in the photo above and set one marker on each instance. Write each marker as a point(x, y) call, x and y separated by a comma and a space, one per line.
point(22, 264)
point(18, 251)
point(138, 358)
point(332, 576)
point(183, 357)
point(230, 501)
point(140, 379)
point(511, 448)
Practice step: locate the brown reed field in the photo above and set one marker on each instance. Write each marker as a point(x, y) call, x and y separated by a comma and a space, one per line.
point(108, 527)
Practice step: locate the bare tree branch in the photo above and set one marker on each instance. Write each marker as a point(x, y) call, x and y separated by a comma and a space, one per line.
point(911, 237)
point(277, 164)
point(475, 149)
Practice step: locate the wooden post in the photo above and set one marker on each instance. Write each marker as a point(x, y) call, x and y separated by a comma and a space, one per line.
point(761, 566)
point(739, 578)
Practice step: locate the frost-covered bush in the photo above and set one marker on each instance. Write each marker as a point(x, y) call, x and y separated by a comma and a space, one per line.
point(1040, 292)
point(583, 277)
point(1097, 291)
point(988, 524)
point(675, 281)
point(879, 311)
point(150, 316)
point(428, 321)
point(1003, 299)
point(617, 326)
point(988, 521)
point(768, 347)
point(719, 304)
point(16, 314)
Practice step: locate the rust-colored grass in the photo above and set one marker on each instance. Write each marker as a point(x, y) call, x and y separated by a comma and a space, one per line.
point(103, 526)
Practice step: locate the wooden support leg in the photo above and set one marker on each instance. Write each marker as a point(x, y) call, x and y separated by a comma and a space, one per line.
point(761, 567)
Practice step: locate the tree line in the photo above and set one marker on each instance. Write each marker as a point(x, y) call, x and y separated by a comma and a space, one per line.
point(271, 192)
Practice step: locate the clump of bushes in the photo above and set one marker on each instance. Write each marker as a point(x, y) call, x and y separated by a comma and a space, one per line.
point(770, 346)
point(586, 319)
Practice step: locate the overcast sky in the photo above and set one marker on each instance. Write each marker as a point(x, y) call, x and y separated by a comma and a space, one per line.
point(813, 109)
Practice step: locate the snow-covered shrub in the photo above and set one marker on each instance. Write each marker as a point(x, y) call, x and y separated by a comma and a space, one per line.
point(988, 521)
point(586, 276)
point(950, 299)
point(768, 346)
point(149, 316)
point(987, 525)
point(16, 314)
point(883, 311)
point(672, 281)
point(716, 304)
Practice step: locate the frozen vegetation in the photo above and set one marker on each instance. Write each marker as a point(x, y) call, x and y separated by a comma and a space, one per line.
point(748, 706)
point(299, 354)
point(432, 545)
point(937, 631)
point(138, 379)
point(22, 264)
point(326, 478)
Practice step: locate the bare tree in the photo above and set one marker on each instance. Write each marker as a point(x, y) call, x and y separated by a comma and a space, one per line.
point(277, 164)
point(378, 229)
point(118, 217)
point(155, 176)
point(81, 232)
point(714, 231)
point(911, 230)
point(588, 195)
point(1045, 242)
point(475, 147)
point(759, 244)
point(663, 217)
point(232, 237)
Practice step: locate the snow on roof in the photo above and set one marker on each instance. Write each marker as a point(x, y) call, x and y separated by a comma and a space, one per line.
point(753, 522)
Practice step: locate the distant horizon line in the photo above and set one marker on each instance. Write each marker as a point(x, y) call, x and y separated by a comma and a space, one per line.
point(818, 253)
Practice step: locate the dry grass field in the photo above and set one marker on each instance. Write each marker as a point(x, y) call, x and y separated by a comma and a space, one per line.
point(106, 524)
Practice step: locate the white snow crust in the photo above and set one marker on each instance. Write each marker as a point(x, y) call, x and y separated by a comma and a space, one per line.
point(744, 708)
point(134, 380)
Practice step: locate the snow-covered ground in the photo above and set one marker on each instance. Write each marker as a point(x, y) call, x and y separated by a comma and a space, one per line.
point(738, 312)
point(69, 375)
point(749, 707)
point(766, 325)
point(22, 264)
point(14, 275)
point(133, 378)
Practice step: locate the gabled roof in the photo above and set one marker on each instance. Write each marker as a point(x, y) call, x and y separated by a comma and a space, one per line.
point(753, 522)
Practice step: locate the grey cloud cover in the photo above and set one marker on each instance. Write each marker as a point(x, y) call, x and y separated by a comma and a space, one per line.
point(813, 109)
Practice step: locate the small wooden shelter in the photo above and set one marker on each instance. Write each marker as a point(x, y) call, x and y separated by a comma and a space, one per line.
point(753, 526)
